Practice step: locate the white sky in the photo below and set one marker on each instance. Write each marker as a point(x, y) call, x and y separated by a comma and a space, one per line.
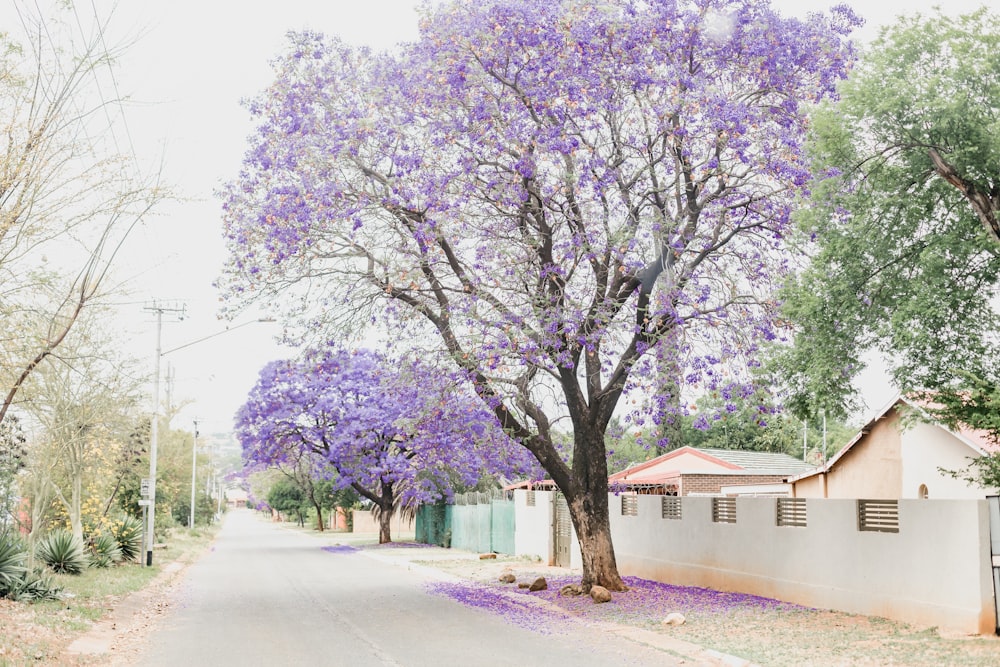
point(191, 64)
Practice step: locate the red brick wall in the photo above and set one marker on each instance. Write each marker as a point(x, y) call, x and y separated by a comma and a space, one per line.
point(708, 483)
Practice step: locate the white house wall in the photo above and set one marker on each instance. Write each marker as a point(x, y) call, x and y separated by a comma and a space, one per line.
point(533, 528)
point(927, 447)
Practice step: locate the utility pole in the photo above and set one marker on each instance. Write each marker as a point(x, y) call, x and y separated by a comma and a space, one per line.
point(194, 467)
point(155, 427)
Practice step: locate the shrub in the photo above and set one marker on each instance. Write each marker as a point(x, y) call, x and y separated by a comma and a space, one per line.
point(33, 585)
point(128, 534)
point(62, 552)
point(104, 550)
point(12, 555)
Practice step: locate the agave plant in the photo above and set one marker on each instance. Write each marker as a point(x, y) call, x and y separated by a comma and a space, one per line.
point(62, 552)
point(33, 585)
point(104, 550)
point(128, 534)
point(12, 555)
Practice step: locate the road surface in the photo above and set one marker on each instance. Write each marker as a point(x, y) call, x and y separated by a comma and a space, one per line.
point(265, 595)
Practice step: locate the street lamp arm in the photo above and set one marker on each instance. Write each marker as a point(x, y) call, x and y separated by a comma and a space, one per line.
point(217, 333)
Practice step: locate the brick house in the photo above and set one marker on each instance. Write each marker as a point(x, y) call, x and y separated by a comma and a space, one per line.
point(700, 471)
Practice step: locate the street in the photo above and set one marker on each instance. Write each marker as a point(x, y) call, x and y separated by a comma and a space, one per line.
point(265, 595)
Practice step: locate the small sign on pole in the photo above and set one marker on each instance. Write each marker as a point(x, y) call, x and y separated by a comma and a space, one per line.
point(145, 502)
point(144, 487)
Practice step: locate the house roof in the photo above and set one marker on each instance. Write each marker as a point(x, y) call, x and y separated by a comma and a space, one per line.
point(729, 461)
point(976, 440)
point(759, 461)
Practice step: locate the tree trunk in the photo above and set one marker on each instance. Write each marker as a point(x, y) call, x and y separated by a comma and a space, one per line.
point(75, 509)
point(587, 499)
point(384, 522)
point(589, 512)
point(319, 517)
point(386, 501)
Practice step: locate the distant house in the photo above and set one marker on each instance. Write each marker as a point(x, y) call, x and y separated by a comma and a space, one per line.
point(696, 471)
point(890, 458)
point(236, 498)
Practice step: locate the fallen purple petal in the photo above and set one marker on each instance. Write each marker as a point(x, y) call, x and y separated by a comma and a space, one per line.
point(523, 614)
point(340, 549)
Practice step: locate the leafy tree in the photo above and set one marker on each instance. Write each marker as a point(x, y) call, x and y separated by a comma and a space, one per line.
point(394, 432)
point(63, 196)
point(976, 406)
point(83, 399)
point(286, 496)
point(756, 424)
point(904, 217)
point(547, 190)
point(310, 472)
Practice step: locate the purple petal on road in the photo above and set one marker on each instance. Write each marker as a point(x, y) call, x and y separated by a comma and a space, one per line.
point(340, 549)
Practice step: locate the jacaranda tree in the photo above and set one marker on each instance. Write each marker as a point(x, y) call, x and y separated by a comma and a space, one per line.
point(399, 433)
point(556, 192)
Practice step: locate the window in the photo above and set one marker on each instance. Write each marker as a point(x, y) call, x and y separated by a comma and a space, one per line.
point(630, 505)
point(530, 498)
point(922, 492)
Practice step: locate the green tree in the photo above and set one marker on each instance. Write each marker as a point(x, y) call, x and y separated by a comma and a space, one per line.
point(83, 400)
point(905, 218)
point(287, 497)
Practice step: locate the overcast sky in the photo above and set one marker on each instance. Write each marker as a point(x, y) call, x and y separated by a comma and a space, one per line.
point(190, 65)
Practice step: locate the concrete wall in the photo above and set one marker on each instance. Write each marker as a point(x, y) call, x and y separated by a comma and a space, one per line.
point(935, 571)
point(533, 529)
point(364, 522)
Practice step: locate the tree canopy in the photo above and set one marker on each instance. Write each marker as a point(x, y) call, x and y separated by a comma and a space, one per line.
point(555, 192)
point(904, 216)
point(397, 433)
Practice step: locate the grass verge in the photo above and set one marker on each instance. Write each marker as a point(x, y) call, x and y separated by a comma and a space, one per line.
point(38, 633)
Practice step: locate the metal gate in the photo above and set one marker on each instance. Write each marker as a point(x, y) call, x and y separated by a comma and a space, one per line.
point(502, 526)
point(993, 502)
point(563, 530)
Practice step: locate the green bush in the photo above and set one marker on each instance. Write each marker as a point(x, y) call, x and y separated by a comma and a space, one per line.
point(62, 552)
point(33, 585)
point(12, 555)
point(104, 550)
point(128, 534)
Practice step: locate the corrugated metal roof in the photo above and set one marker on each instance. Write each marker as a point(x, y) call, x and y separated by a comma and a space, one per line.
point(759, 460)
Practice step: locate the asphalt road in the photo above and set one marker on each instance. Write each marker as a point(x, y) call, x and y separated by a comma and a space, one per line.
point(270, 596)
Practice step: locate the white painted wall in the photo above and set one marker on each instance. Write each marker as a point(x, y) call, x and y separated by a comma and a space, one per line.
point(927, 447)
point(533, 529)
point(935, 571)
